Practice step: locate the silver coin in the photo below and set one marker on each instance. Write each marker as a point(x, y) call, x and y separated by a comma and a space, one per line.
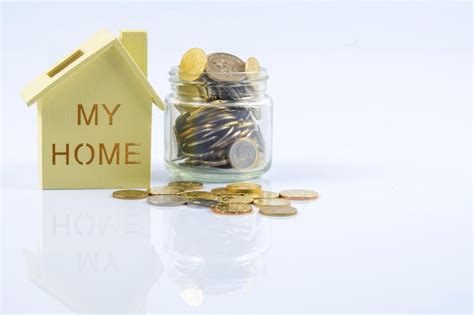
point(225, 67)
point(202, 203)
point(166, 200)
point(243, 153)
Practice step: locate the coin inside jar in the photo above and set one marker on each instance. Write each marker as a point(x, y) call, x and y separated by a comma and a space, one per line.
point(243, 153)
point(167, 200)
point(225, 67)
point(192, 64)
point(129, 194)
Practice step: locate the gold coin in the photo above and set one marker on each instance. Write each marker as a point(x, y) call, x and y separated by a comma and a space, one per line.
point(252, 195)
point(130, 194)
point(199, 195)
point(166, 200)
point(299, 194)
point(225, 67)
point(244, 153)
point(268, 195)
point(244, 187)
point(186, 185)
point(252, 68)
point(192, 64)
point(165, 190)
point(232, 208)
point(222, 191)
point(271, 202)
point(235, 199)
point(278, 211)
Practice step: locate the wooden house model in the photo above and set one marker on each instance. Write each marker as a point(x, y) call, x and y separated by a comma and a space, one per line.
point(95, 114)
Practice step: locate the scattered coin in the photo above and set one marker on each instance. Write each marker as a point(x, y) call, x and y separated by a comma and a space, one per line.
point(278, 211)
point(235, 199)
point(222, 191)
point(243, 153)
point(232, 208)
point(244, 187)
point(186, 185)
point(199, 195)
point(268, 195)
point(202, 203)
point(271, 202)
point(192, 64)
point(253, 195)
point(165, 190)
point(225, 67)
point(166, 200)
point(130, 194)
point(299, 194)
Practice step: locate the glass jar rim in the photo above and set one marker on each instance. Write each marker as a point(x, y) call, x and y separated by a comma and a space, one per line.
point(259, 76)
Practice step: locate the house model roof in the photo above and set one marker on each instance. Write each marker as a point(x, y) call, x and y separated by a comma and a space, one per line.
point(89, 50)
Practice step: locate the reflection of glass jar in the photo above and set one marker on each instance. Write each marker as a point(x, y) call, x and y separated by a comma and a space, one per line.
point(218, 130)
point(210, 255)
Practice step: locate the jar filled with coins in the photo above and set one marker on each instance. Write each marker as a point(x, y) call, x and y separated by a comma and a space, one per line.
point(218, 121)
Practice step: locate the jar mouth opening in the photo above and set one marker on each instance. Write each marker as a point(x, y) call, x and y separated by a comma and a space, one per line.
point(244, 77)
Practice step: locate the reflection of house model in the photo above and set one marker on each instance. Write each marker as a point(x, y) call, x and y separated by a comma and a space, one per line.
point(94, 115)
point(97, 259)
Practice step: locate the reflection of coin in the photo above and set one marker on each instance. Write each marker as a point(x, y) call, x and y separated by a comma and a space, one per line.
point(236, 199)
point(165, 190)
point(243, 153)
point(166, 200)
point(299, 194)
point(232, 208)
point(268, 195)
point(278, 211)
point(244, 187)
point(186, 185)
point(202, 203)
point(271, 202)
point(130, 194)
point(193, 296)
point(225, 67)
point(192, 64)
point(199, 195)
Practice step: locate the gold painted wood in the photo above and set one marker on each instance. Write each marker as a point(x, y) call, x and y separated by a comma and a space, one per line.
point(136, 43)
point(85, 54)
point(94, 118)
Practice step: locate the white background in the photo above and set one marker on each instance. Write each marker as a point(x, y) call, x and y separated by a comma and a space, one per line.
point(372, 108)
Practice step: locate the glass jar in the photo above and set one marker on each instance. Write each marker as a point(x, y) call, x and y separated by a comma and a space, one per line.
point(218, 131)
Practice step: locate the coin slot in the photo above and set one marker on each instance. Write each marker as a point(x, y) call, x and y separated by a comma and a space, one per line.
point(66, 62)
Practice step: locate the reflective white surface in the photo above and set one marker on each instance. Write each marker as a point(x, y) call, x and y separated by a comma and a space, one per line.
point(365, 246)
point(372, 109)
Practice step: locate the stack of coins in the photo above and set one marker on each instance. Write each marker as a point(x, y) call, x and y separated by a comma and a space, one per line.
point(218, 130)
point(233, 199)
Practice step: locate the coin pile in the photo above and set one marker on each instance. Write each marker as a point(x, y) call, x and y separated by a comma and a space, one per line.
point(233, 199)
point(218, 130)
